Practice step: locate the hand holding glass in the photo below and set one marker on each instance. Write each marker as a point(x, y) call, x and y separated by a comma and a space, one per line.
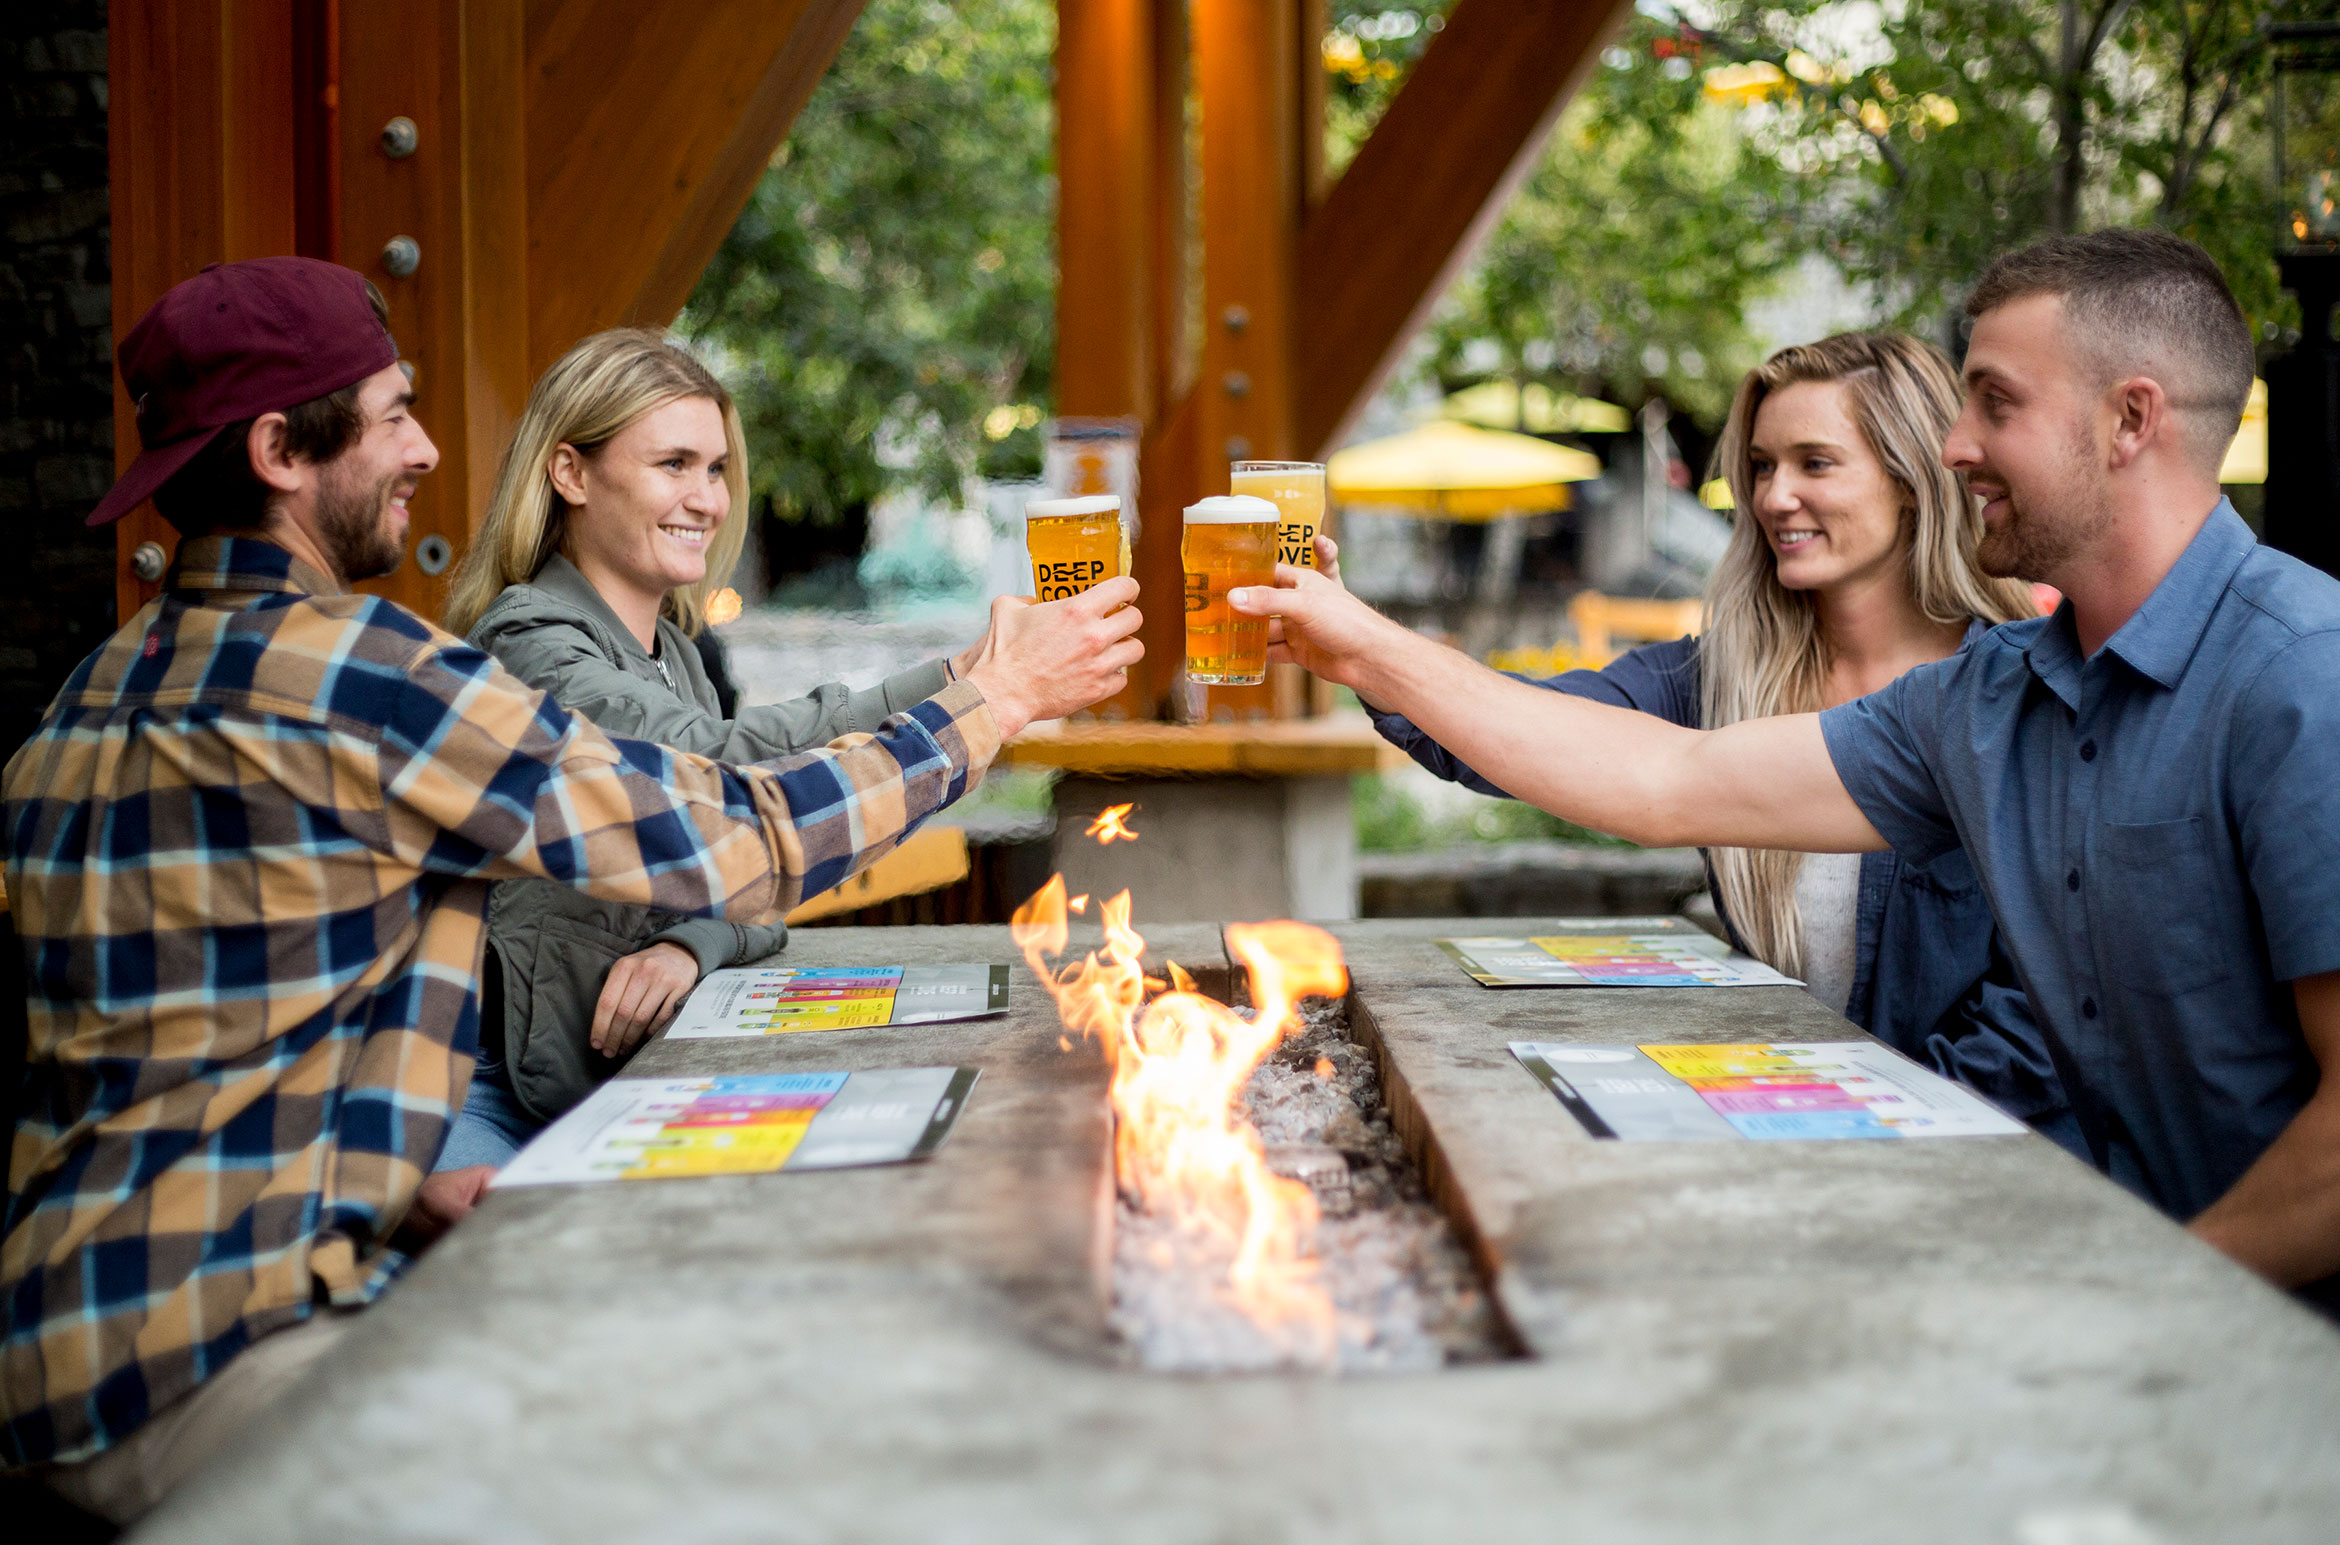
point(1074, 543)
point(1230, 542)
point(1296, 488)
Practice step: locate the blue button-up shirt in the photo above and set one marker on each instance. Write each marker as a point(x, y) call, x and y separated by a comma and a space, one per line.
point(1930, 978)
point(2158, 830)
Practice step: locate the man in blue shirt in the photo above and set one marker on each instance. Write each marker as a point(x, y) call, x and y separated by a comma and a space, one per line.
point(2145, 781)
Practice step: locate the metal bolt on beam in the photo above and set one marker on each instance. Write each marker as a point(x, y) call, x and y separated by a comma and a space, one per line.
point(148, 561)
point(1237, 383)
point(401, 256)
point(1236, 318)
point(400, 137)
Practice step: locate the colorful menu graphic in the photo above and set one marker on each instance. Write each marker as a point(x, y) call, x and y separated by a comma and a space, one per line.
point(749, 1124)
point(782, 999)
point(1685, 959)
point(1761, 1091)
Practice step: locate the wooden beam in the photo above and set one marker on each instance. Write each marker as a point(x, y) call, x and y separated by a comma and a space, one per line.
point(454, 68)
point(1177, 277)
point(1425, 187)
point(1310, 17)
point(1254, 195)
point(201, 95)
point(648, 123)
point(1105, 177)
point(1123, 298)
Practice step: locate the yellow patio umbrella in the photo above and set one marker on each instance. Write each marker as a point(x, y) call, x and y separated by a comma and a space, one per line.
point(1536, 408)
point(1459, 472)
point(2246, 458)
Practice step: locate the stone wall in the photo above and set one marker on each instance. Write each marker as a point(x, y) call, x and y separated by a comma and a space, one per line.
point(56, 341)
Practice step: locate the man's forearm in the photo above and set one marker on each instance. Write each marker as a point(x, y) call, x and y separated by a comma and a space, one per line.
point(2282, 1219)
point(1766, 783)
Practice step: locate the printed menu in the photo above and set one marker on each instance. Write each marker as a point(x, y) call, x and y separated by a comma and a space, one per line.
point(1760, 1091)
point(1685, 959)
point(778, 1000)
point(661, 1128)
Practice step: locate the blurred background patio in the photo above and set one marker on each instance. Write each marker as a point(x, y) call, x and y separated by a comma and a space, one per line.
point(1729, 179)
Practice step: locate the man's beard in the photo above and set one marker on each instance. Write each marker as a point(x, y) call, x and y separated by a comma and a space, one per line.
point(2028, 545)
point(353, 523)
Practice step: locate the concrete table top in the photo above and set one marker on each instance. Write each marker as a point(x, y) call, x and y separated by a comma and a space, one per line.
point(1950, 1340)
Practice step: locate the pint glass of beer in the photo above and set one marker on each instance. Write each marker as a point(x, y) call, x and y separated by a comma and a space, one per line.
point(1296, 488)
point(1074, 543)
point(1230, 542)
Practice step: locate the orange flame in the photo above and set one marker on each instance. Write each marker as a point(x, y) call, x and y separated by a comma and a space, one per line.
point(1112, 825)
point(1179, 1063)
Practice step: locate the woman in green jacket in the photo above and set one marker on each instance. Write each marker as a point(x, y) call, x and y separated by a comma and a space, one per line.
point(606, 533)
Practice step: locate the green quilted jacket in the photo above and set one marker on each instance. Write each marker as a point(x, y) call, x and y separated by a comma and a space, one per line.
point(557, 944)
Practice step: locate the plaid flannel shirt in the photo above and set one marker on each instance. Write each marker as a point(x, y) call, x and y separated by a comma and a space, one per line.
point(249, 851)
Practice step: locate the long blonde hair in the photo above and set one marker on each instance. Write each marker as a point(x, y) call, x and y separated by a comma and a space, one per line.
point(1761, 652)
point(593, 392)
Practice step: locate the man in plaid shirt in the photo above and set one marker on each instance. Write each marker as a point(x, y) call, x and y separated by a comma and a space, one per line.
point(249, 851)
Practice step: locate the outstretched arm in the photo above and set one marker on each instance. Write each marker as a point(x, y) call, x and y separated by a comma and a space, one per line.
point(1764, 783)
point(480, 776)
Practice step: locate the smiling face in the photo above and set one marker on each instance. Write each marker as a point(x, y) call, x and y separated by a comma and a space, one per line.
point(2030, 441)
point(1829, 510)
point(645, 507)
point(361, 495)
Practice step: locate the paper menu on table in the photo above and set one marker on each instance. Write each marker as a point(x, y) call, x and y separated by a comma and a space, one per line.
point(1684, 959)
point(1761, 1091)
point(777, 1000)
point(663, 1128)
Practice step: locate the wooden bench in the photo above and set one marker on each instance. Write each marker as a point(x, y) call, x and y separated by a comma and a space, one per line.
point(1602, 620)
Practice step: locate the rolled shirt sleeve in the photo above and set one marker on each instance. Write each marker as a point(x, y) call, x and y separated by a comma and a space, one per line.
point(1886, 747)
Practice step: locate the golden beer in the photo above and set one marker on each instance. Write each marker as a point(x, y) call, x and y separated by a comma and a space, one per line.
point(1230, 542)
point(1074, 543)
point(1296, 489)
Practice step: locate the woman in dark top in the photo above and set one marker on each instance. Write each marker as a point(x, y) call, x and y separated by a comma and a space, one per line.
point(1852, 561)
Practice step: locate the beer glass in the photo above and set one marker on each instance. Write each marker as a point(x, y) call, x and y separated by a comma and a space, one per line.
point(1230, 542)
point(1296, 488)
point(1074, 543)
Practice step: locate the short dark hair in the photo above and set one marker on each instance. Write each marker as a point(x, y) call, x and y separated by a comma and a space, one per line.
point(2148, 303)
point(217, 490)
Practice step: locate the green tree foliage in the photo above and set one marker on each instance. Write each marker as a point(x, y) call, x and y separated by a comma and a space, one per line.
point(885, 304)
point(1959, 128)
point(1626, 261)
point(886, 301)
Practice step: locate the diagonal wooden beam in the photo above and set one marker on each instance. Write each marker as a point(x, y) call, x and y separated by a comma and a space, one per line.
point(649, 122)
point(1406, 215)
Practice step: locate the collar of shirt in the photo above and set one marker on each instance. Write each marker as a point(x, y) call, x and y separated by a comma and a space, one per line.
point(2160, 638)
point(243, 563)
point(559, 577)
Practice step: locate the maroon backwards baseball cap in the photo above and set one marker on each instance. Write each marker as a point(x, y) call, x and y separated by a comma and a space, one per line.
point(234, 342)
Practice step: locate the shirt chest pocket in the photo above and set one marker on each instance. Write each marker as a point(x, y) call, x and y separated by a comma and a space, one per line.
point(2156, 901)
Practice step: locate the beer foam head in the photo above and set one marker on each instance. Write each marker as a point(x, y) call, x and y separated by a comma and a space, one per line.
point(1231, 510)
point(1088, 504)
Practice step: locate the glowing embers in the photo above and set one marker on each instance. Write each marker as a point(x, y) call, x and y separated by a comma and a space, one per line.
point(1183, 1155)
